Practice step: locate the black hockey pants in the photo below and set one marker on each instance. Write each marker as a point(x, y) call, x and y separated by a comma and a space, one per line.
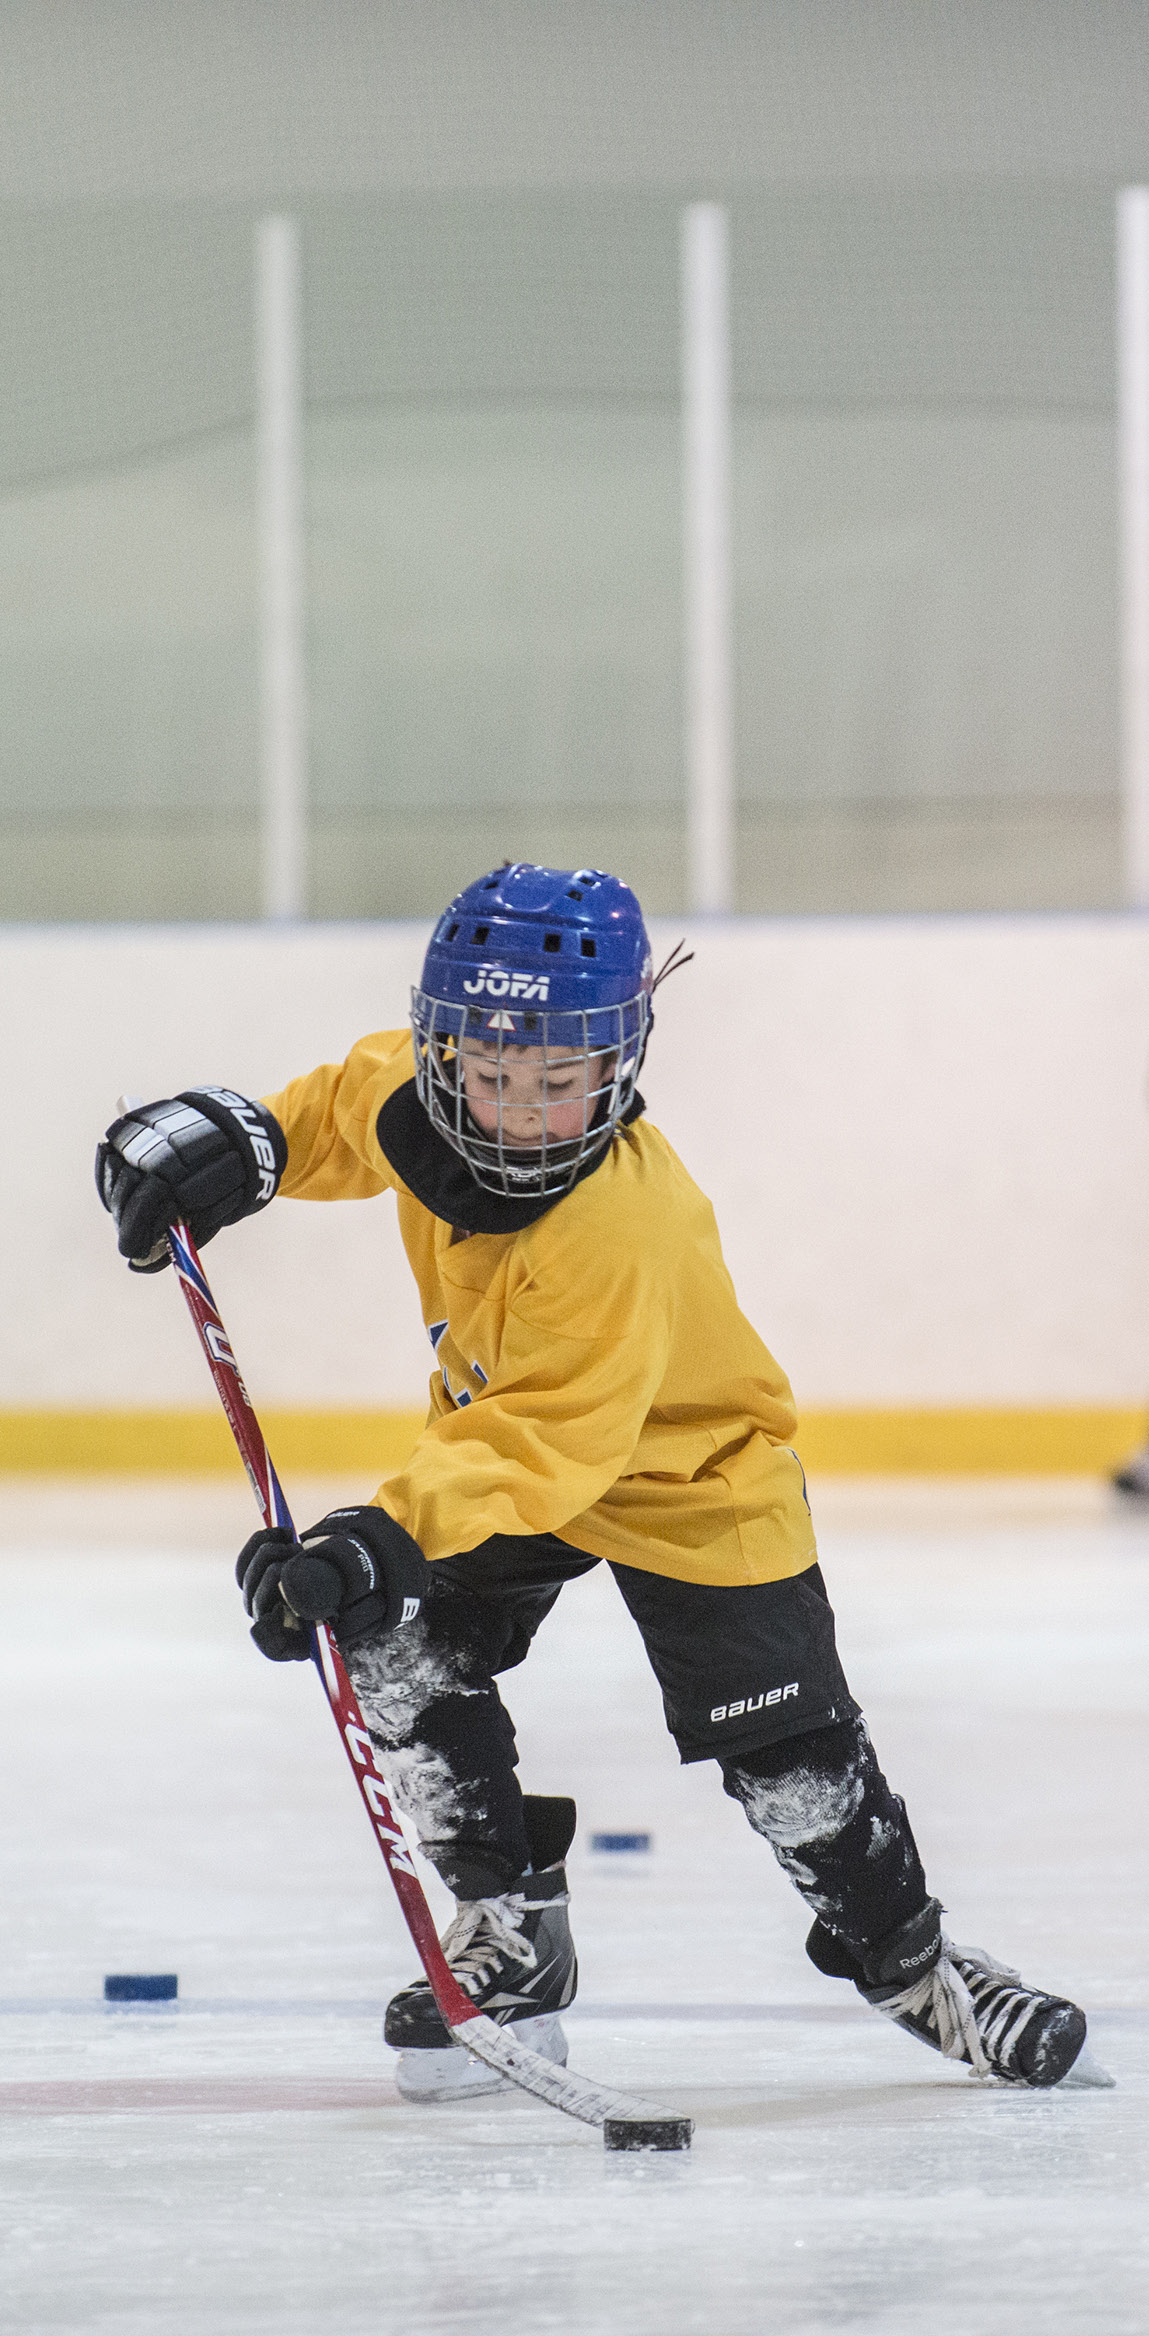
point(750, 1677)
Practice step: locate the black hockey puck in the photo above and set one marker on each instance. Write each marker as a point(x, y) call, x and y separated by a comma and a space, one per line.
point(141, 1987)
point(647, 2132)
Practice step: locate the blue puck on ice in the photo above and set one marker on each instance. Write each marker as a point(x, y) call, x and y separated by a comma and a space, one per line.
point(620, 1841)
point(141, 1987)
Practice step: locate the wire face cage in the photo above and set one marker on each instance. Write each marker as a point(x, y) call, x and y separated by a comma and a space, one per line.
point(527, 1098)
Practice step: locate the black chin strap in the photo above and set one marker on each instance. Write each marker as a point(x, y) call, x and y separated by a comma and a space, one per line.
point(442, 1180)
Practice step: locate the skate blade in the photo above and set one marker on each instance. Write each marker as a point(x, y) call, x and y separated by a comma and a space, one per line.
point(1087, 2073)
point(453, 2073)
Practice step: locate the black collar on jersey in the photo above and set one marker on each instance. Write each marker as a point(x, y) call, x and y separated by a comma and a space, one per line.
point(444, 1183)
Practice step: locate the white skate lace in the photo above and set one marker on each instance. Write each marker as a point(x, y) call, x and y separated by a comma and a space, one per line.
point(944, 1996)
point(484, 1932)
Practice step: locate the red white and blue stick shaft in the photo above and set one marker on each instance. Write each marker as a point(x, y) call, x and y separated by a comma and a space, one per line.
point(627, 2122)
point(454, 2005)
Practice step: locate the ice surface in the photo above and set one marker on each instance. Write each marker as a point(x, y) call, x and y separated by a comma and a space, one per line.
point(241, 2161)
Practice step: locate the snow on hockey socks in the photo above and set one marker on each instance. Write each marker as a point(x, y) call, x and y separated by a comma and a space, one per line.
point(447, 1746)
point(835, 1827)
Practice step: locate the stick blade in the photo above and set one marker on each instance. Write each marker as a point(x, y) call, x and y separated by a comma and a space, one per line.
point(577, 2096)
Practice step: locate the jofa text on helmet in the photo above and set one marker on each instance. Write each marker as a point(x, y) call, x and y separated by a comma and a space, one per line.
point(499, 984)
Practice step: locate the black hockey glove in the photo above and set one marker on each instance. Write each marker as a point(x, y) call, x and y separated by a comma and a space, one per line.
point(356, 1569)
point(207, 1155)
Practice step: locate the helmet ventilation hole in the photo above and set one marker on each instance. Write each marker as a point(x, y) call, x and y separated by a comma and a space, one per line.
point(552, 941)
point(587, 945)
point(480, 933)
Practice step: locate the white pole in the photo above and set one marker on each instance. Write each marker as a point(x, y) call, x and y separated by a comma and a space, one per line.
point(283, 716)
point(1133, 430)
point(706, 469)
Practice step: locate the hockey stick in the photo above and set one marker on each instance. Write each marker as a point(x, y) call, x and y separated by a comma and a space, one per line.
point(627, 2123)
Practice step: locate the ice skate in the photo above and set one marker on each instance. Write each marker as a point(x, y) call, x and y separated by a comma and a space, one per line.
point(515, 1958)
point(964, 2003)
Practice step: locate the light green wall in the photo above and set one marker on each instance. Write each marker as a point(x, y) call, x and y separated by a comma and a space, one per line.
point(924, 547)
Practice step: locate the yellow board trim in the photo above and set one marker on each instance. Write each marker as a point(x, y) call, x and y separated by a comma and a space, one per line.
point(199, 1443)
point(941, 1441)
point(960, 1441)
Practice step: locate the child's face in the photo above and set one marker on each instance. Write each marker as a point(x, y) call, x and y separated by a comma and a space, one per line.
point(573, 1084)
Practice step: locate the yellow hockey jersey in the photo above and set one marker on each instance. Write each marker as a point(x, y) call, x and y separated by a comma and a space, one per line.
point(595, 1378)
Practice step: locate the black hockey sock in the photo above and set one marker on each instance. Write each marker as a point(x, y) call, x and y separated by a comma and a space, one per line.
point(835, 1827)
point(446, 1746)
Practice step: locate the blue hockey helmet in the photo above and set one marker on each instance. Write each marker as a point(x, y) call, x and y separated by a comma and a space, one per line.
point(552, 959)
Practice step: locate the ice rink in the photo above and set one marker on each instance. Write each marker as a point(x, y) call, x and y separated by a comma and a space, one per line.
point(242, 2161)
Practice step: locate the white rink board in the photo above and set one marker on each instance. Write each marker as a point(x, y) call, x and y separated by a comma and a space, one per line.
point(926, 1140)
point(242, 2165)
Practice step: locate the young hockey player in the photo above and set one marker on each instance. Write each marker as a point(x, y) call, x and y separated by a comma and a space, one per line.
point(597, 1396)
